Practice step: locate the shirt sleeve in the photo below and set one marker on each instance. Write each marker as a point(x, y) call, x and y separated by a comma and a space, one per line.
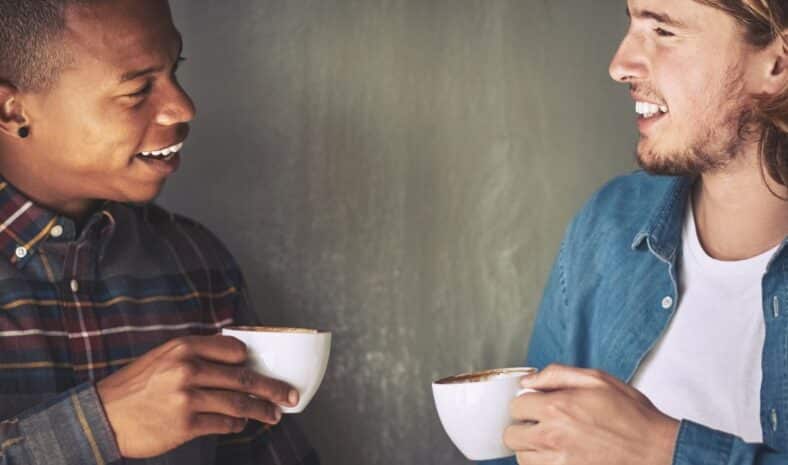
point(69, 429)
point(699, 445)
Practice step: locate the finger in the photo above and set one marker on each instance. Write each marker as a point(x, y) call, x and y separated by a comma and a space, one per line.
point(222, 349)
point(533, 406)
point(536, 458)
point(203, 424)
point(236, 404)
point(243, 379)
point(516, 437)
point(556, 377)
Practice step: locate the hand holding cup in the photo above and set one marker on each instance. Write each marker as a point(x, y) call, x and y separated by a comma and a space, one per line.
point(188, 387)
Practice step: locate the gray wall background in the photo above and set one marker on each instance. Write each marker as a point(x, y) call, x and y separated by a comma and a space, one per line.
point(399, 172)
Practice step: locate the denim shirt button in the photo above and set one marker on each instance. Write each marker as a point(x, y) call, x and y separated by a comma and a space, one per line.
point(776, 307)
point(774, 420)
point(667, 302)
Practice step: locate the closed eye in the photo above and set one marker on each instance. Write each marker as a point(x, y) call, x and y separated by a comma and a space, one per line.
point(663, 33)
point(142, 92)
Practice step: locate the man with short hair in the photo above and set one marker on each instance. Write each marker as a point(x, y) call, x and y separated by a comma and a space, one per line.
point(662, 330)
point(109, 305)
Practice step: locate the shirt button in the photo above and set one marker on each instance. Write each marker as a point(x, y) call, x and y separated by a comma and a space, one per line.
point(56, 231)
point(774, 420)
point(776, 307)
point(667, 302)
point(74, 285)
point(21, 252)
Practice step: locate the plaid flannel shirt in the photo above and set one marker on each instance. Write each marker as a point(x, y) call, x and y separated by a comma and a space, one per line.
point(77, 306)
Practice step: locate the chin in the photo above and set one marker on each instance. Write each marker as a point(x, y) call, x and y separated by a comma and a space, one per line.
point(142, 194)
point(671, 164)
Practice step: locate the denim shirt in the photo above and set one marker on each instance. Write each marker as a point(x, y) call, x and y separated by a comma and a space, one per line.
point(613, 291)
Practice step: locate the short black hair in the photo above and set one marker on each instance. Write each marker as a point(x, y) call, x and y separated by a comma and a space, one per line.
point(31, 42)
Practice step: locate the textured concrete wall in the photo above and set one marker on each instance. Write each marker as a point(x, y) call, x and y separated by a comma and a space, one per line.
point(400, 172)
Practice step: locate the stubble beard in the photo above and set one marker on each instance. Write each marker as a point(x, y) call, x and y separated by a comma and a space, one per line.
point(712, 149)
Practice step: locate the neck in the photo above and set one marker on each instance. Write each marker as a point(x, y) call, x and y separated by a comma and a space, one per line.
point(40, 191)
point(736, 215)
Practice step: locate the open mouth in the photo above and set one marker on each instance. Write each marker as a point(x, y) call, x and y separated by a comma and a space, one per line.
point(648, 110)
point(165, 154)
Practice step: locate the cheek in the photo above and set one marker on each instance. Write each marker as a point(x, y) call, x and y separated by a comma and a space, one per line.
point(109, 139)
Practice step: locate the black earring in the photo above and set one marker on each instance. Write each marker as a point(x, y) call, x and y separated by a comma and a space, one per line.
point(24, 132)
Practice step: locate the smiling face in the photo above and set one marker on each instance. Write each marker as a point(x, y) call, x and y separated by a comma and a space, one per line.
point(117, 99)
point(687, 68)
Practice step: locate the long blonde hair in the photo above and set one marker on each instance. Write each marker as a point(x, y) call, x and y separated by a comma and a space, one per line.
point(764, 22)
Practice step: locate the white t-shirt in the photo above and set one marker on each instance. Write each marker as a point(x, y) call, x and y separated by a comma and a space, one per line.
point(707, 366)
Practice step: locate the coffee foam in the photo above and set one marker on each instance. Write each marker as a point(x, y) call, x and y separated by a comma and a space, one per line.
point(479, 376)
point(274, 329)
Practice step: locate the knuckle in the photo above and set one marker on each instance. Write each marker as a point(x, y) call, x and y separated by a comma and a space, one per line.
point(247, 378)
point(182, 400)
point(242, 403)
point(186, 370)
point(182, 347)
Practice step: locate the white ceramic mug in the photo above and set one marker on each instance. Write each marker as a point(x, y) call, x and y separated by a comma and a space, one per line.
point(474, 409)
point(296, 356)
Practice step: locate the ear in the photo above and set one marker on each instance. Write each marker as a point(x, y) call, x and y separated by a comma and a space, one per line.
point(772, 68)
point(12, 114)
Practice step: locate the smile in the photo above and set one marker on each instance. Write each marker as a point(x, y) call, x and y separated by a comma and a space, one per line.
point(166, 152)
point(648, 109)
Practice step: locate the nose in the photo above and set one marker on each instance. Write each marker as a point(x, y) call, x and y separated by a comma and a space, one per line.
point(177, 107)
point(630, 63)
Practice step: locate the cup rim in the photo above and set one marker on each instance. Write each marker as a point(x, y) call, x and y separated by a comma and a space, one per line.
point(276, 330)
point(485, 375)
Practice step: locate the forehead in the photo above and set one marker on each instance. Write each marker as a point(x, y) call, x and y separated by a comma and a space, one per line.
point(120, 35)
point(692, 13)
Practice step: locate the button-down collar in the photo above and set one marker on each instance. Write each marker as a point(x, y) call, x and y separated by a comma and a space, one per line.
point(24, 225)
point(662, 231)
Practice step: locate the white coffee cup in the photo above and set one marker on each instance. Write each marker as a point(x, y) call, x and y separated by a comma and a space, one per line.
point(296, 356)
point(474, 409)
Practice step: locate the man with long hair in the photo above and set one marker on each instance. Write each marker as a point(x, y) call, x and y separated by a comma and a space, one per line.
point(663, 330)
point(109, 305)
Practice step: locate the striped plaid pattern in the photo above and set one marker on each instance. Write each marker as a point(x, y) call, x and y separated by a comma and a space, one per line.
point(76, 306)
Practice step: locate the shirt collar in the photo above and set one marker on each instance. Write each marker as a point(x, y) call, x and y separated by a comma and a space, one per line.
point(24, 225)
point(662, 229)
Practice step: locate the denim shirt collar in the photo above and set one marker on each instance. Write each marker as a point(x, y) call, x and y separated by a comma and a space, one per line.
point(662, 230)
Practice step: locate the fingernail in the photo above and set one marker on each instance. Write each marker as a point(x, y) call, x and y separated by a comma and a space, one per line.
point(278, 414)
point(293, 397)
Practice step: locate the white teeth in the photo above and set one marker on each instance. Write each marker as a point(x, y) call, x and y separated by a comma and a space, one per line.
point(647, 109)
point(165, 151)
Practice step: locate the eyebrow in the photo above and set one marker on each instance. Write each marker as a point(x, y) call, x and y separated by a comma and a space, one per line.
point(131, 75)
point(663, 18)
